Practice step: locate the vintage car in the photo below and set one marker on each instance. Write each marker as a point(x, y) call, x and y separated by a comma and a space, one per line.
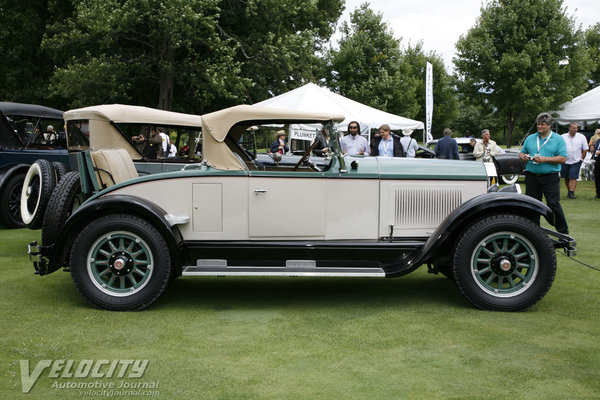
point(231, 215)
point(25, 138)
point(113, 126)
point(508, 164)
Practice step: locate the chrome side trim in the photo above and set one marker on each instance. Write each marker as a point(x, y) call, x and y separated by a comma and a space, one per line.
point(282, 271)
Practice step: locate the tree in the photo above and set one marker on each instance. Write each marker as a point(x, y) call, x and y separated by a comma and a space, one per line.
point(143, 52)
point(592, 41)
point(25, 68)
point(279, 41)
point(521, 57)
point(369, 66)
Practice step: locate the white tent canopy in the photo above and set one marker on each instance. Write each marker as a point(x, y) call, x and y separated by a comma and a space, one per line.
point(582, 109)
point(311, 97)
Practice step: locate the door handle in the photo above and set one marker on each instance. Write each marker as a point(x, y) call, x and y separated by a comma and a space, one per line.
point(260, 191)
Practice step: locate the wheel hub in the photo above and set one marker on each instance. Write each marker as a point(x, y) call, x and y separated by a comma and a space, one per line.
point(121, 263)
point(503, 264)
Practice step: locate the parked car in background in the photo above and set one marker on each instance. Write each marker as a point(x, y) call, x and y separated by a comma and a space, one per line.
point(133, 129)
point(28, 132)
point(356, 216)
point(508, 164)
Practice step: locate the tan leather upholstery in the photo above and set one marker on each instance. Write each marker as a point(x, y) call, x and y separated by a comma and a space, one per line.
point(113, 166)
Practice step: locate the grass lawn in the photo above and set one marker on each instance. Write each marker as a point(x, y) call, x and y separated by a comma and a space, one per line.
point(413, 337)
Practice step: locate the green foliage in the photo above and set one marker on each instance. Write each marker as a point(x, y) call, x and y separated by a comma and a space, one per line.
point(278, 41)
point(521, 57)
point(592, 41)
point(369, 66)
point(144, 52)
point(25, 68)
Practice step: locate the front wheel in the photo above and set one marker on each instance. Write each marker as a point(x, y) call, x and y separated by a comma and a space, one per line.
point(120, 262)
point(504, 263)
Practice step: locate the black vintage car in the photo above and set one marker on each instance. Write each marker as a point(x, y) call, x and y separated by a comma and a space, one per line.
point(28, 132)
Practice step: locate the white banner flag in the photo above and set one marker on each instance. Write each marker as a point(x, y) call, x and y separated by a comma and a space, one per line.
point(428, 100)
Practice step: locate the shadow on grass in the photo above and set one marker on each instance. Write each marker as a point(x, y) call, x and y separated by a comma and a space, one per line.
point(241, 293)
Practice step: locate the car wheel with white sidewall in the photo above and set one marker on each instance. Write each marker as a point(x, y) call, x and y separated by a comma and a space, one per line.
point(504, 262)
point(37, 188)
point(120, 262)
point(509, 179)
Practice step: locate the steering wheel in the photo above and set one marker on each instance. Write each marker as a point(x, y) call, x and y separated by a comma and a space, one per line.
point(306, 154)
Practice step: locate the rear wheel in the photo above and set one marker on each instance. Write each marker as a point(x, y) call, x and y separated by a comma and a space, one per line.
point(120, 262)
point(10, 202)
point(504, 263)
point(37, 188)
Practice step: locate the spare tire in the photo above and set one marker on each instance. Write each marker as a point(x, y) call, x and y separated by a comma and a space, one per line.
point(65, 199)
point(37, 188)
point(60, 169)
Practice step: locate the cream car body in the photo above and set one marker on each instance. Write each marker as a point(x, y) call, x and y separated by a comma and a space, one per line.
point(359, 216)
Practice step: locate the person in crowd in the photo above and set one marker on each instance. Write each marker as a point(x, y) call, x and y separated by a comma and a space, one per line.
point(577, 148)
point(409, 145)
point(593, 140)
point(447, 147)
point(165, 142)
point(50, 134)
point(387, 144)
point(353, 143)
point(472, 143)
point(152, 144)
point(485, 149)
point(545, 152)
point(279, 145)
point(468, 134)
point(172, 150)
point(596, 158)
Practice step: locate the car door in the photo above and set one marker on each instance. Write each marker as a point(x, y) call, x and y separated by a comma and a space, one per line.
point(287, 205)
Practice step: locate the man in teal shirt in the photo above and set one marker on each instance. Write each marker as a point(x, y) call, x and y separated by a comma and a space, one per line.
point(546, 151)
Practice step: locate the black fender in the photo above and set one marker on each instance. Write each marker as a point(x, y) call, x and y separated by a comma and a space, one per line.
point(58, 253)
point(10, 172)
point(442, 241)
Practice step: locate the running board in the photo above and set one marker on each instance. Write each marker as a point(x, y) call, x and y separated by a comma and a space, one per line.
point(292, 268)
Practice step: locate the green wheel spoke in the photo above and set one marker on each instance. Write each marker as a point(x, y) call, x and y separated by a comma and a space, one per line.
point(132, 279)
point(521, 255)
point(104, 272)
point(523, 265)
point(100, 262)
point(491, 277)
point(121, 244)
point(519, 275)
point(112, 246)
point(485, 270)
point(488, 252)
point(514, 249)
point(510, 281)
point(137, 253)
point(485, 261)
point(129, 248)
point(111, 280)
point(104, 253)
